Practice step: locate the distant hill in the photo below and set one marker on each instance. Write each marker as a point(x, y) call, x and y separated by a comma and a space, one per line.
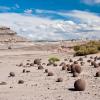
point(8, 35)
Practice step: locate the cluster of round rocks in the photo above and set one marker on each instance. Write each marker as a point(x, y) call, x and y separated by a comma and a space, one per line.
point(74, 67)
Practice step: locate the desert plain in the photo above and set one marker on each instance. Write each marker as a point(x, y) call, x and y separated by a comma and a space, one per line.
point(37, 84)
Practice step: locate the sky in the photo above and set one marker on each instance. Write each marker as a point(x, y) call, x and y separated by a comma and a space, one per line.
point(52, 19)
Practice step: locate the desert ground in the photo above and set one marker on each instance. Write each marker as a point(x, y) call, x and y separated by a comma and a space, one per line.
point(37, 85)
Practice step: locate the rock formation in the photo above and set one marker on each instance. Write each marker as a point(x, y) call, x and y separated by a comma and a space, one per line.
point(8, 35)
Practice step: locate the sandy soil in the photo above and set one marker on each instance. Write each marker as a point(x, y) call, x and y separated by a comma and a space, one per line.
point(37, 85)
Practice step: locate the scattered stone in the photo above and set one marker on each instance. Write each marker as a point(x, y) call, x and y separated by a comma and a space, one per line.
point(65, 59)
point(82, 63)
point(40, 67)
point(75, 74)
point(50, 74)
point(43, 63)
point(28, 60)
point(27, 64)
point(59, 80)
point(70, 60)
point(31, 64)
point(96, 65)
point(69, 68)
point(93, 63)
point(3, 83)
point(20, 82)
point(49, 64)
point(55, 64)
point(80, 59)
point(63, 64)
point(89, 61)
point(46, 70)
point(24, 70)
point(76, 68)
point(11, 74)
point(37, 61)
point(91, 57)
point(21, 64)
point(98, 74)
point(80, 85)
point(75, 62)
point(9, 47)
point(64, 67)
point(27, 71)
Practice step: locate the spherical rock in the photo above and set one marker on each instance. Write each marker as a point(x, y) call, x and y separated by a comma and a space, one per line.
point(63, 64)
point(65, 59)
point(50, 74)
point(3, 83)
point(27, 71)
point(46, 70)
point(82, 63)
point(59, 80)
point(64, 67)
point(31, 64)
point(70, 60)
point(20, 82)
point(21, 64)
point(40, 67)
point(98, 74)
point(27, 63)
point(24, 70)
point(99, 63)
point(37, 61)
point(43, 63)
point(80, 85)
point(9, 47)
point(75, 62)
point(12, 74)
point(49, 64)
point(91, 57)
point(55, 64)
point(96, 65)
point(68, 65)
point(76, 68)
point(93, 63)
point(69, 69)
point(75, 74)
point(89, 61)
point(80, 59)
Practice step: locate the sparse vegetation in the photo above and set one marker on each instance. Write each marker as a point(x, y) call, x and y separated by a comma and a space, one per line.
point(53, 59)
point(91, 47)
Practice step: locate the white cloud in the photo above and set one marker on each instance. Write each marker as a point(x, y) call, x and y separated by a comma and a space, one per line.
point(44, 11)
point(4, 8)
point(91, 2)
point(17, 6)
point(28, 11)
point(37, 28)
point(84, 16)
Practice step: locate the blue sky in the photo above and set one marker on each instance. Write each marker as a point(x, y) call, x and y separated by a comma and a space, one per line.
point(56, 5)
point(58, 19)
